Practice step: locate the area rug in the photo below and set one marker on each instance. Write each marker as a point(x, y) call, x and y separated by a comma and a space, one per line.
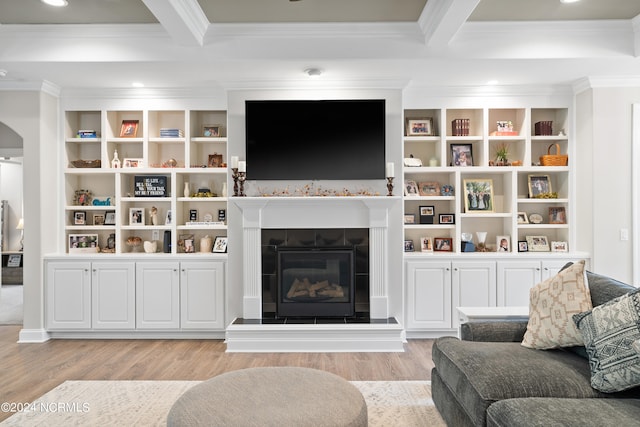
point(147, 403)
point(11, 305)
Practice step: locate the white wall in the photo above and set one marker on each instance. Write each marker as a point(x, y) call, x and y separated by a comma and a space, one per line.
point(11, 191)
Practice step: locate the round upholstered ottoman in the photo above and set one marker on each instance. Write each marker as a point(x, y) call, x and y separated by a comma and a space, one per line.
point(279, 396)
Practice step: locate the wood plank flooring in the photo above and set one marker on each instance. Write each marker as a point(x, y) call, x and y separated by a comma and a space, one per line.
point(29, 370)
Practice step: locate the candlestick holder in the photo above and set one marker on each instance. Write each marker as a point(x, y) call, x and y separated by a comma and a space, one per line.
point(234, 175)
point(390, 185)
point(242, 176)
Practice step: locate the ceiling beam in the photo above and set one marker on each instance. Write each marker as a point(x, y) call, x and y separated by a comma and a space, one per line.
point(184, 20)
point(441, 20)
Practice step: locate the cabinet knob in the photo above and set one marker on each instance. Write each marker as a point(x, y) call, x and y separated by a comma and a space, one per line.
point(455, 269)
point(537, 268)
point(94, 270)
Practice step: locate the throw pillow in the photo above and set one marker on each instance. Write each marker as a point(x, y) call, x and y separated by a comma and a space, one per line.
point(611, 332)
point(552, 303)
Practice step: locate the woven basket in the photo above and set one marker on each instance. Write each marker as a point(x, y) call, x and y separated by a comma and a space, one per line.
point(554, 159)
point(86, 163)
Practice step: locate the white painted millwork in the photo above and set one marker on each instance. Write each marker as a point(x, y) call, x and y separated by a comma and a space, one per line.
point(68, 295)
point(113, 291)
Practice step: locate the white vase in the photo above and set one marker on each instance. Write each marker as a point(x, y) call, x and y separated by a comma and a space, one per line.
point(187, 191)
point(150, 247)
point(224, 189)
point(482, 236)
point(206, 244)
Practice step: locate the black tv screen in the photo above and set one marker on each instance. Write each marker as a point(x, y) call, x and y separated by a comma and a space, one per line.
point(315, 140)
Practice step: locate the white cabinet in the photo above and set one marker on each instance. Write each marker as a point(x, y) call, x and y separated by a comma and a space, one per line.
point(68, 293)
point(474, 285)
point(202, 295)
point(428, 294)
point(157, 295)
point(113, 295)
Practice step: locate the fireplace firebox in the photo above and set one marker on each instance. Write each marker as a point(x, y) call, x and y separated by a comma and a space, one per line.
point(315, 282)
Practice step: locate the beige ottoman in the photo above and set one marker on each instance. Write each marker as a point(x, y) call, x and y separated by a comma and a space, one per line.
point(279, 396)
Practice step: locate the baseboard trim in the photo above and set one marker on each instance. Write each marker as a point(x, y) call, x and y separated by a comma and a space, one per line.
point(33, 336)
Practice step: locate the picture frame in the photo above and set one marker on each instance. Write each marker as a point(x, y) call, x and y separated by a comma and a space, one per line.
point(110, 218)
point(461, 155)
point(133, 163)
point(222, 215)
point(408, 246)
point(129, 129)
point(539, 185)
point(136, 216)
point(427, 214)
point(420, 127)
point(537, 244)
point(411, 188)
point(409, 219)
point(98, 219)
point(557, 246)
point(193, 215)
point(443, 244)
point(503, 243)
point(150, 186)
point(79, 218)
point(186, 243)
point(215, 160)
point(426, 244)
point(447, 218)
point(210, 131)
point(429, 188)
point(167, 219)
point(14, 260)
point(78, 243)
point(557, 215)
point(220, 244)
point(478, 195)
point(82, 198)
point(523, 246)
point(523, 218)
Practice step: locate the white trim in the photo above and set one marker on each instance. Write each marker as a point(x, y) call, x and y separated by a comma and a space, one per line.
point(32, 336)
point(635, 199)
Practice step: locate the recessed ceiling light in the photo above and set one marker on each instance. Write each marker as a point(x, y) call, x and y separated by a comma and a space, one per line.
point(569, 1)
point(492, 82)
point(58, 3)
point(313, 72)
point(137, 84)
point(3, 72)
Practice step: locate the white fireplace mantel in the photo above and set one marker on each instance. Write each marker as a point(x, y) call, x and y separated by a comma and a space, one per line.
point(315, 212)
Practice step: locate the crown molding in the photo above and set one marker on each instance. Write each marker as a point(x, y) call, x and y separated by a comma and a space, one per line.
point(587, 83)
point(307, 84)
point(31, 86)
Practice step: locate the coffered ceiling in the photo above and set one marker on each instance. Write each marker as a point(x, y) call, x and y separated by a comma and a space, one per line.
point(356, 43)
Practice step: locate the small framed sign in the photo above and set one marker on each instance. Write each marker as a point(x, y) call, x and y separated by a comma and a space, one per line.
point(150, 186)
point(14, 260)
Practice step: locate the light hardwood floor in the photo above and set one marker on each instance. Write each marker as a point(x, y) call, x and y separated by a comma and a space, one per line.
point(29, 370)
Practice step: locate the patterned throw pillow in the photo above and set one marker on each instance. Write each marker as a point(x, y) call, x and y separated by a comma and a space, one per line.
point(611, 335)
point(551, 305)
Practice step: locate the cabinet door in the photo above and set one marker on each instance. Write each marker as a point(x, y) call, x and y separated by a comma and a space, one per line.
point(157, 295)
point(68, 295)
point(113, 295)
point(202, 295)
point(515, 279)
point(552, 267)
point(473, 284)
point(428, 295)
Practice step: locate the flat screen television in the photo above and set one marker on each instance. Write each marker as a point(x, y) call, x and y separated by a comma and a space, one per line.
point(315, 140)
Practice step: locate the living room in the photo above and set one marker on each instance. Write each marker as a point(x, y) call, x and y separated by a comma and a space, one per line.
point(429, 57)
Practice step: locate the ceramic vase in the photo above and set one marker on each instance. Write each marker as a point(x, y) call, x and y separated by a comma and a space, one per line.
point(206, 244)
point(187, 191)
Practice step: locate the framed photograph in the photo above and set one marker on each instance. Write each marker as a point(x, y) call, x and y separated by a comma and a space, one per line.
point(14, 260)
point(211, 131)
point(186, 243)
point(427, 213)
point(408, 246)
point(447, 219)
point(129, 129)
point(220, 244)
point(557, 215)
point(429, 188)
point(82, 198)
point(478, 195)
point(411, 188)
point(193, 215)
point(409, 219)
point(83, 243)
point(110, 218)
point(98, 219)
point(133, 163)
point(461, 155)
point(215, 160)
point(537, 244)
point(503, 244)
point(523, 246)
point(136, 216)
point(559, 247)
point(222, 215)
point(523, 218)
point(426, 244)
point(420, 127)
point(167, 220)
point(443, 244)
point(79, 218)
point(539, 185)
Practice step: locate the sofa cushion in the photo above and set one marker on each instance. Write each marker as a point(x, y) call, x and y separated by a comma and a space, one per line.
point(552, 303)
point(550, 412)
point(604, 289)
point(481, 373)
point(611, 332)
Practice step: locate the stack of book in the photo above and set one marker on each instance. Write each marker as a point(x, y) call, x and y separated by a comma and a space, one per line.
point(460, 127)
point(543, 127)
point(171, 133)
point(87, 133)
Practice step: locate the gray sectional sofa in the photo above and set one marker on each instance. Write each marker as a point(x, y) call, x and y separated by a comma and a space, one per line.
point(488, 378)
